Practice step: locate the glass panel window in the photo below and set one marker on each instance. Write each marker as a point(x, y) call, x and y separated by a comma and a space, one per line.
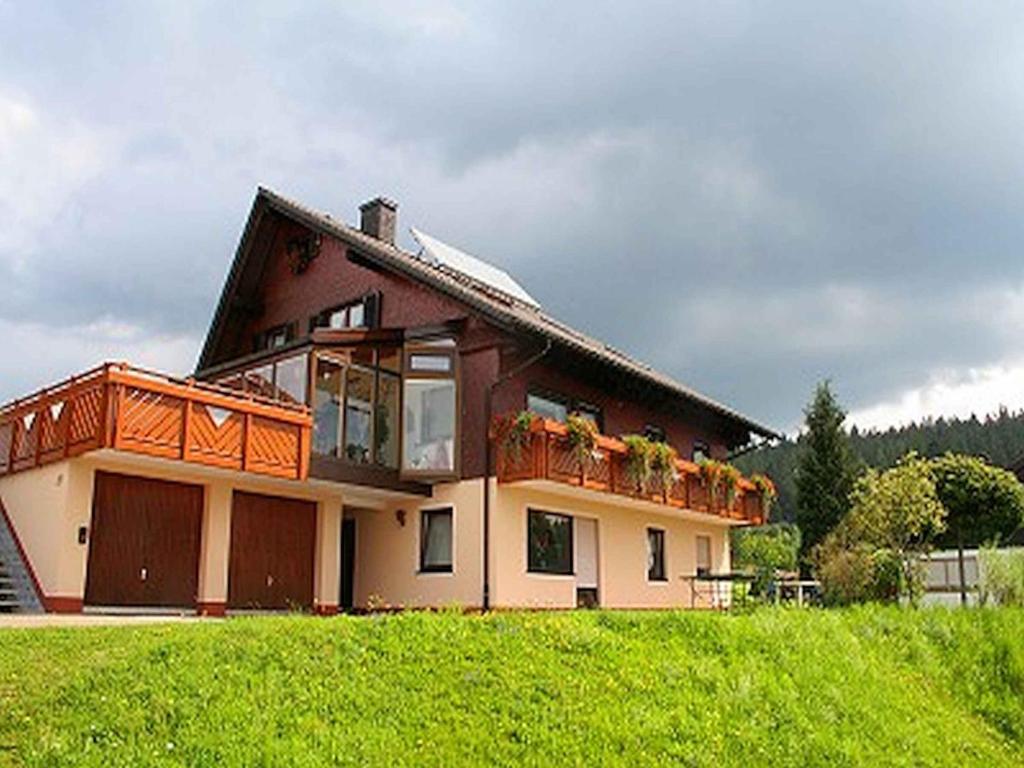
point(549, 542)
point(385, 429)
point(700, 451)
point(546, 407)
point(338, 318)
point(703, 555)
point(430, 363)
point(436, 540)
point(290, 379)
point(358, 415)
point(260, 381)
point(357, 315)
point(429, 430)
point(327, 407)
point(655, 554)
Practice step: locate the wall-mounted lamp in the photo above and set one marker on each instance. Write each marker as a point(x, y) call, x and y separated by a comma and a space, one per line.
point(83, 533)
point(400, 517)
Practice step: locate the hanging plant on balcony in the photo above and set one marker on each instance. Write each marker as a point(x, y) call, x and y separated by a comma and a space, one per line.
point(730, 478)
point(766, 489)
point(581, 433)
point(513, 432)
point(711, 478)
point(662, 460)
point(637, 464)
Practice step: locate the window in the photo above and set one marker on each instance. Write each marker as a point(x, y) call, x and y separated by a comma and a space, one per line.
point(355, 409)
point(430, 396)
point(436, 541)
point(549, 542)
point(358, 413)
point(700, 451)
point(327, 406)
point(290, 379)
point(275, 337)
point(654, 433)
point(547, 407)
point(703, 555)
point(361, 313)
point(655, 554)
point(557, 407)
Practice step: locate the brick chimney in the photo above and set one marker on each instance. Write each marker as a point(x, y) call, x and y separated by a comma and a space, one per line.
point(378, 218)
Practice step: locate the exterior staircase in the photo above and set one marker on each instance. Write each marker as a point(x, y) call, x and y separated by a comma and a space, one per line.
point(17, 591)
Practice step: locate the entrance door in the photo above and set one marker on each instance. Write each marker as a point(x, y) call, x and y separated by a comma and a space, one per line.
point(348, 563)
point(144, 544)
point(272, 550)
point(586, 563)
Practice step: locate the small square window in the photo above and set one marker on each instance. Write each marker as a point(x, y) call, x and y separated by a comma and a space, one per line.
point(430, 363)
point(436, 541)
point(654, 433)
point(655, 554)
point(547, 407)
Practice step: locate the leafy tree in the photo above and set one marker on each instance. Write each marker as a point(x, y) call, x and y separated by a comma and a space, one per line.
point(984, 504)
point(826, 469)
point(997, 437)
point(765, 550)
point(893, 519)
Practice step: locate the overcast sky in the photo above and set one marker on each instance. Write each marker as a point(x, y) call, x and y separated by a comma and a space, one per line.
point(749, 196)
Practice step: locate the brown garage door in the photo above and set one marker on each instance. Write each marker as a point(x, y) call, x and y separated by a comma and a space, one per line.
point(144, 543)
point(272, 543)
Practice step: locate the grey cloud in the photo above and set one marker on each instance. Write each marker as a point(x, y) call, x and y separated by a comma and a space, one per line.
point(748, 196)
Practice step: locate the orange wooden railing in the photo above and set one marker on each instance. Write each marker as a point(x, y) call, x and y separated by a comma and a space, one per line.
point(130, 409)
point(548, 455)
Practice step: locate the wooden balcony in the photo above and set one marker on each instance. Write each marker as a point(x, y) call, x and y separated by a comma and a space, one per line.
point(129, 409)
point(548, 455)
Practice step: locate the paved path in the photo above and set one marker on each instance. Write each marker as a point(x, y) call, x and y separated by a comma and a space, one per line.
point(35, 620)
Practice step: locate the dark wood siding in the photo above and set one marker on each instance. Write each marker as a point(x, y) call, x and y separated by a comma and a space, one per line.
point(272, 552)
point(144, 543)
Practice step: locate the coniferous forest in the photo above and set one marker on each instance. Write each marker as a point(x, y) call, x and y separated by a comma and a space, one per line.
point(997, 437)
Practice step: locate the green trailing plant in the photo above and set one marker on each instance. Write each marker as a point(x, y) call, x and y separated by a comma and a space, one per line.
point(766, 488)
point(513, 432)
point(721, 479)
point(637, 464)
point(582, 435)
point(710, 472)
point(662, 459)
point(729, 479)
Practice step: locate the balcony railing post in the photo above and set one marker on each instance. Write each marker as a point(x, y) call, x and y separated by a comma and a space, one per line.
point(246, 440)
point(186, 426)
point(15, 423)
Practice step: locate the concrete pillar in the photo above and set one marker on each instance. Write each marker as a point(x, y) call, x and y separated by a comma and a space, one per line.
point(69, 592)
point(327, 563)
point(214, 550)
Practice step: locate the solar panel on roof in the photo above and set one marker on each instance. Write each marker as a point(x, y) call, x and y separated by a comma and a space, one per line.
point(473, 267)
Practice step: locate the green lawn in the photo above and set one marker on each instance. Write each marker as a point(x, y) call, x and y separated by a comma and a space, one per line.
point(778, 687)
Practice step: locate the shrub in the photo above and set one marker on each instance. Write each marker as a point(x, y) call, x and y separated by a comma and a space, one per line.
point(1001, 576)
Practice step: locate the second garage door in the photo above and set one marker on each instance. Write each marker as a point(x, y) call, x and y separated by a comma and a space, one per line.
point(272, 549)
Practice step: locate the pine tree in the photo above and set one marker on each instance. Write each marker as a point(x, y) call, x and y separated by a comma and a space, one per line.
point(825, 470)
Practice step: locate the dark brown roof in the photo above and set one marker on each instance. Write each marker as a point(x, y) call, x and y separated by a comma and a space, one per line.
point(488, 301)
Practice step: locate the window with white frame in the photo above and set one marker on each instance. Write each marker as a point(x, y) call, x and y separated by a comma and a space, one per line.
point(430, 408)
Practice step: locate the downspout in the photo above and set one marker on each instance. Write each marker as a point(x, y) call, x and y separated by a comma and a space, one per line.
point(488, 401)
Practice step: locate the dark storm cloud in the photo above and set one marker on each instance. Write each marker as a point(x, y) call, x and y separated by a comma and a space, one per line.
point(749, 196)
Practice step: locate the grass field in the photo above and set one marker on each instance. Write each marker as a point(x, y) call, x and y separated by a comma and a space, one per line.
point(868, 686)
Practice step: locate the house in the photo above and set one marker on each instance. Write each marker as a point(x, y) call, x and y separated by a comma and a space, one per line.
point(347, 441)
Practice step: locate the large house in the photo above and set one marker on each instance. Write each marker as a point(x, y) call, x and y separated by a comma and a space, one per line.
point(369, 428)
